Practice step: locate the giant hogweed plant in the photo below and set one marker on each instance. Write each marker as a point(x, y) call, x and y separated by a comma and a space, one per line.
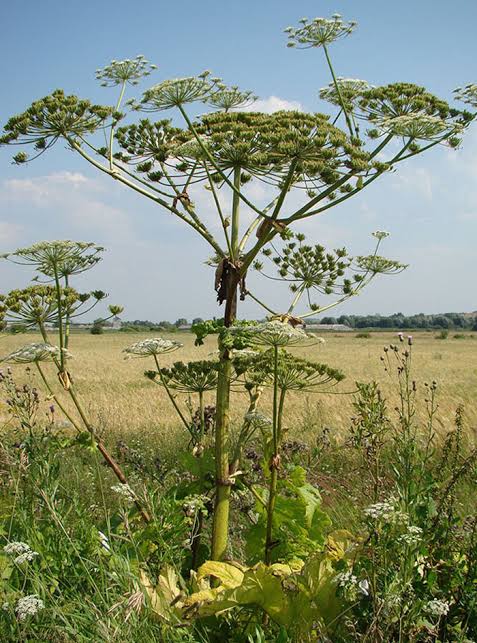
point(326, 160)
point(50, 305)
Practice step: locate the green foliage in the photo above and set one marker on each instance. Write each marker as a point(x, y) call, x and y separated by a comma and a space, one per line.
point(299, 523)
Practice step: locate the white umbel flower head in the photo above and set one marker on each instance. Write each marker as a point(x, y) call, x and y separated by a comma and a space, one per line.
point(179, 91)
point(349, 88)
point(36, 352)
point(60, 258)
point(467, 94)
point(124, 491)
point(419, 126)
point(437, 607)
point(124, 71)
point(319, 32)
point(22, 552)
point(154, 346)
point(28, 606)
point(277, 333)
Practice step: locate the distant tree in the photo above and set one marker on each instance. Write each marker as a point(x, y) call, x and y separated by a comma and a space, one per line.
point(97, 327)
point(182, 321)
point(197, 320)
point(329, 320)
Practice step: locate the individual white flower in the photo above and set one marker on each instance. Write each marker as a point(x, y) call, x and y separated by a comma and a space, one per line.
point(277, 333)
point(154, 346)
point(125, 491)
point(28, 606)
point(36, 352)
point(437, 607)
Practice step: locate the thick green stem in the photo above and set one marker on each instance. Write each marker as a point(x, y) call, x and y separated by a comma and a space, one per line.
point(278, 402)
point(222, 482)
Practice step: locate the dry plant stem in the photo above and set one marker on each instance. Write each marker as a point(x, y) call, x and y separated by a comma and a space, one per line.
point(111, 462)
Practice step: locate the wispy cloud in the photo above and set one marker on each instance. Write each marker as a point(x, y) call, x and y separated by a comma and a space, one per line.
point(274, 104)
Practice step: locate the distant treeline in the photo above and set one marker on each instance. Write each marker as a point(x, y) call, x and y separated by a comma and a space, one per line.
point(462, 321)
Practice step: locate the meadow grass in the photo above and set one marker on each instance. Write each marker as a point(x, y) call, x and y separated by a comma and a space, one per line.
point(122, 401)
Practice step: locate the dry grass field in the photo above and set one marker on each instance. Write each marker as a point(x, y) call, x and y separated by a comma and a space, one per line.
point(121, 400)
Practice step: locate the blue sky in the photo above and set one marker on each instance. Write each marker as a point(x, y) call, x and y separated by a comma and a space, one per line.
point(153, 265)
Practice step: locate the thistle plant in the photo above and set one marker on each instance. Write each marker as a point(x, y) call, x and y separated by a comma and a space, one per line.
point(223, 151)
point(51, 305)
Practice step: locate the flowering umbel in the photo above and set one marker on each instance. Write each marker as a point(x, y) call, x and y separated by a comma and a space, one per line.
point(149, 347)
point(319, 32)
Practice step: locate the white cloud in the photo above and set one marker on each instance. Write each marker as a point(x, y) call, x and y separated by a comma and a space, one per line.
point(74, 201)
point(9, 232)
point(274, 104)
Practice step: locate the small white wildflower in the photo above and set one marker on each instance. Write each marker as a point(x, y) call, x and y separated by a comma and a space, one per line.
point(16, 547)
point(5, 606)
point(419, 126)
point(28, 606)
point(386, 512)
point(345, 579)
point(412, 536)
point(154, 346)
point(27, 557)
point(437, 607)
point(125, 491)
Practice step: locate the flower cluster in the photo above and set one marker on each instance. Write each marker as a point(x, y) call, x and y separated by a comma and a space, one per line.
point(467, 94)
point(193, 377)
point(419, 126)
point(318, 32)
point(154, 346)
point(179, 91)
point(36, 352)
point(386, 512)
point(412, 536)
point(232, 98)
point(437, 607)
point(58, 258)
point(258, 419)
point(124, 71)
point(28, 606)
point(22, 552)
point(345, 90)
point(277, 333)
point(124, 491)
